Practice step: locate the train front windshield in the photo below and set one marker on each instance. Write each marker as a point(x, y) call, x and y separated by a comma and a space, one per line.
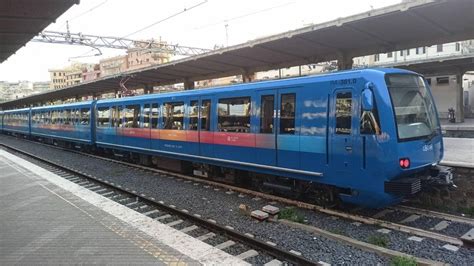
point(413, 105)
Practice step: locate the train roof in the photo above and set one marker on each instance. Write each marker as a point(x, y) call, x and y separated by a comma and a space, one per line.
point(60, 106)
point(17, 110)
point(262, 84)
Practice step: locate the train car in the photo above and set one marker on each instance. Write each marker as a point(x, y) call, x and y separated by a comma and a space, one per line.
point(69, 123)
point(369, 137)
point(16, 122)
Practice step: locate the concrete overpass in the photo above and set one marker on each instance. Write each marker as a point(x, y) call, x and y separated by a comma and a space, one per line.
point(406, 25)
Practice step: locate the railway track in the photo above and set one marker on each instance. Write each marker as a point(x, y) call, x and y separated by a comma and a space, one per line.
point(170, 215)
point(365, 219)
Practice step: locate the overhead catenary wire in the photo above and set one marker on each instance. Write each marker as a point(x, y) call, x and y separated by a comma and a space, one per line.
point(165, 19)
point(243, 16)
point(83, 13)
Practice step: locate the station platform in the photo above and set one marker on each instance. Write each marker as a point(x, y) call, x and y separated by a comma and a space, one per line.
point(46, 219)
point(459, 152)
point(462, 130)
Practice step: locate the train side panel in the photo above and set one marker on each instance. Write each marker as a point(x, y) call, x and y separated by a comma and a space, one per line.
point(65, 122)
point(17, 121)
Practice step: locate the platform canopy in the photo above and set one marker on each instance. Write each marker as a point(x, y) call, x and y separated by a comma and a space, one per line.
point(21, 20)
point(440, 66)
point(406, 25)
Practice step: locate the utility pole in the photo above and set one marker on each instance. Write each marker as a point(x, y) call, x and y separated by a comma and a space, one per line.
point(226, 34)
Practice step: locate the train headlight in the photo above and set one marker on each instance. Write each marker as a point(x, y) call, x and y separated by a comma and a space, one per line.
point(404, 163)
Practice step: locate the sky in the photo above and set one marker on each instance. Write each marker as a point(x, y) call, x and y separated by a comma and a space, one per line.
point(204, 24)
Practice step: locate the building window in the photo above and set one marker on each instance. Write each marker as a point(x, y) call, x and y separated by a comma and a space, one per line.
point(420, 50)
point(442, 80)
point(408, 52)
point(376, 57)
point(234, 115)
point(344, 113)
point(439, 48)
point(390, 55)
point(458, 47)
point(266, 113)
point(287, 113)
point(401, 53)
point(173, 115)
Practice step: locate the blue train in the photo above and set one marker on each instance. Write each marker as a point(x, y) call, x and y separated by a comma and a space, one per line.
point(369, 137)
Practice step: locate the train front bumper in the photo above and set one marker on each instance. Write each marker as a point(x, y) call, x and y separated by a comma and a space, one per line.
point(435, 175)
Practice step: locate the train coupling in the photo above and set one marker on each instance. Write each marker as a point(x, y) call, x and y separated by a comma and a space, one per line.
point(441, 175)
point(410, 185)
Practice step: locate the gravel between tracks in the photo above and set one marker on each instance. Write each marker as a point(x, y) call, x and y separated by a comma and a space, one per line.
point(223, 208)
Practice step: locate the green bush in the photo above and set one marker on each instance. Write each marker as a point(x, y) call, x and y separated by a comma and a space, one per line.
point(403, 261)
point(291, 214)
point(378, 240)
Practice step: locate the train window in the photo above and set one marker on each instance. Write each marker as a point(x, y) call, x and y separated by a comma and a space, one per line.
point(72, 117)
point(266, 113)
point(55, 119)
point(77, 117)
point(369, 121)
point(85, 116)
point(206, 115)
point(103, 117)
point(154, 115)
point(287, 113)
point(67, 117)
point(344, 113)
point(173, 115)
point(47, 117)
point(193, 115)
point(119, 116)
point(234, 115)
point(132, 116)
point(115, 115)
point(146, 116)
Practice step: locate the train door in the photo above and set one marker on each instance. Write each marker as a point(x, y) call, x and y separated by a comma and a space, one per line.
point(155, 125)
point(131, 129)
point(266, 132)
point(192, 126)
point(342, 132)
point(116, 119)
point(206, 135)
point(146, 125)
point(288, 137)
